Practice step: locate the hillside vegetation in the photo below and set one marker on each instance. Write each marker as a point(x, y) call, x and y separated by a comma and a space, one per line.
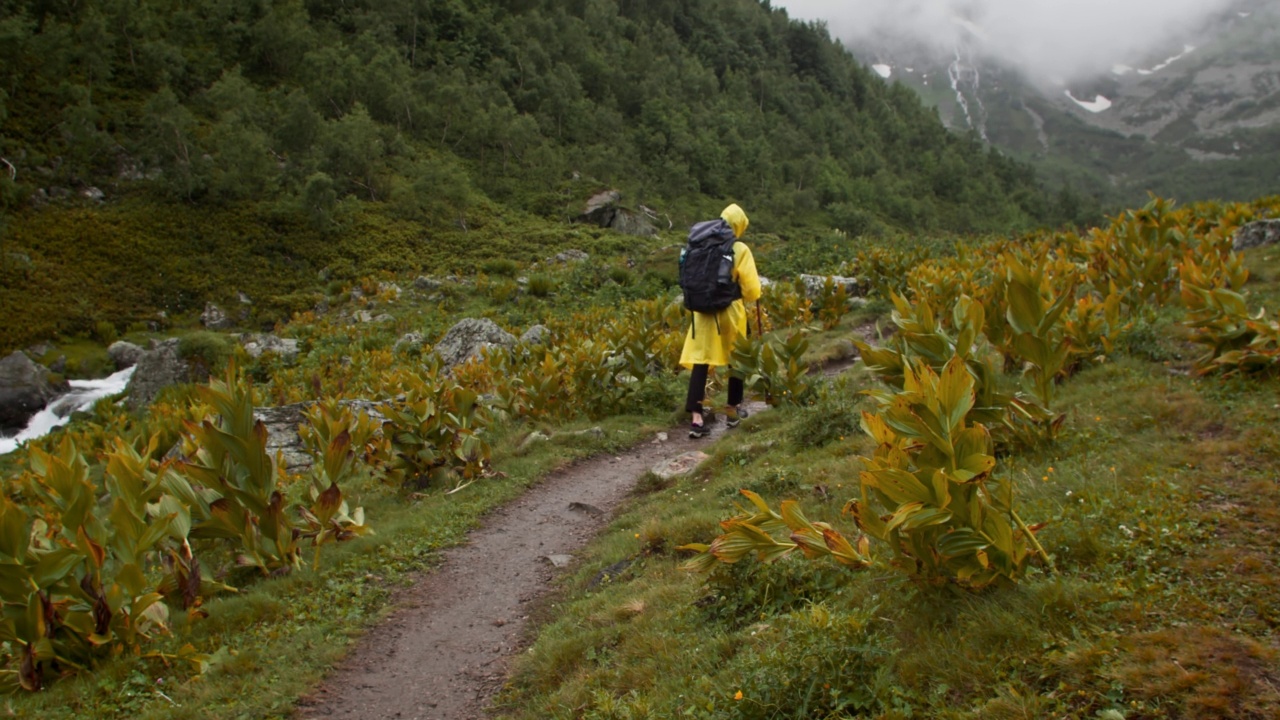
point(1111, 385)
point(268, 141)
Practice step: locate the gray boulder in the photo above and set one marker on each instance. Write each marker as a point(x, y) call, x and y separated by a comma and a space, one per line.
point(602, 200)
point(25, 388)
point(156, 370)
point(39, 350)
point(282, 433)
point(124, 354)
point(569, 256)
point(813, 285)
point(427, 284)
point(1257, 233)
point(468, 338)
point(258, 345)
point(409, 341)
point(214, 317)
point(536, 335)
point(282, 425)
point(604, 209)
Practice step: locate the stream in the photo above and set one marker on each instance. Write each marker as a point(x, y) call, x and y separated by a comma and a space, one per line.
point(82, 396)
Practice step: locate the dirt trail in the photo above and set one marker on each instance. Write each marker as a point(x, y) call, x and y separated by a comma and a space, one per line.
point(443, 653)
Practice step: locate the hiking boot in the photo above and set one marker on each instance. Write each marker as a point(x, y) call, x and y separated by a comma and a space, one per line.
point(699, 431)
point(734, 414)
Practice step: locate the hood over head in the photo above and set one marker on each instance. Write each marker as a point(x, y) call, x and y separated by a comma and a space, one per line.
point(736, 218)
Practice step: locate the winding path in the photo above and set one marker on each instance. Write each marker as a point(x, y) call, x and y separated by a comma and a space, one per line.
point(443, 653)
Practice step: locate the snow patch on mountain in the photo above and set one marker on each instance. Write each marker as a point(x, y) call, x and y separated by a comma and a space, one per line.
point(1186, 50)
point(882, 70)
point(1099, 103)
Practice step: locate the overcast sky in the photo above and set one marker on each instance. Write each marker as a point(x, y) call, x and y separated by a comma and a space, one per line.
point(1048, 38)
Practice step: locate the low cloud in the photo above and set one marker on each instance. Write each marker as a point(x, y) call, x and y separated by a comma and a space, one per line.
point(1046, 38)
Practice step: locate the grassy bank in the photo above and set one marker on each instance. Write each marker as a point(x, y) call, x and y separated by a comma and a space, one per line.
point(1160, 499)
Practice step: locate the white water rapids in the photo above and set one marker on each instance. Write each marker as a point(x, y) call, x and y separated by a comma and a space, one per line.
point(82, 396)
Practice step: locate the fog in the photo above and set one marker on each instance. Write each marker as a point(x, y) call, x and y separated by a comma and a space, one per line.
point(1064, 39)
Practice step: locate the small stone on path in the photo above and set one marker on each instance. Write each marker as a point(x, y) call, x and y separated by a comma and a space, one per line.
point(559, 560)
point(679, 465)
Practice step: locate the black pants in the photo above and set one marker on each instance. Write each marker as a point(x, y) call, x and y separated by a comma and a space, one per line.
point(698, 389)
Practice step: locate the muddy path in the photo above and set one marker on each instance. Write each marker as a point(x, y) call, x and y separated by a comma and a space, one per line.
point(443, 652)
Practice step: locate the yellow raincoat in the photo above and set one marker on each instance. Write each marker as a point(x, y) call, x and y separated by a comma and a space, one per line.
point(711, 336)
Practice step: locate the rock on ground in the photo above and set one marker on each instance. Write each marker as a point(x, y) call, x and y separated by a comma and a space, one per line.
point(536, 335)
point(679, 465)
point(570, 256)
point(25, 388)
point(1259, 232)
point(258, 345)
point(409, 341)
point(468, 338)
point(214, 317)
point(156, 370)
point(813, 285)
point(603, 209)
point(124, 354)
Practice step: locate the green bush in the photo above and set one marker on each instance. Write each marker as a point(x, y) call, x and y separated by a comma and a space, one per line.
point(541, 285)
point(105, 332)
point(283, 307)
point(503, 292)
point(833, 417)
point(502, 267)
point(207, 352)
point(621, 275)
point(1146, 339)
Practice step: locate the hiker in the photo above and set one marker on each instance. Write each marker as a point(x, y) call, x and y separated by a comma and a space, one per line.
point(717, 274)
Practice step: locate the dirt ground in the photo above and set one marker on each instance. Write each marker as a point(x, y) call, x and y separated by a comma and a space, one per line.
point(443, 652)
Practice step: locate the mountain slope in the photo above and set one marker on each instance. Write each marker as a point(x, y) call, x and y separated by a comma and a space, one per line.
point(1200, 118)
point(431, 105)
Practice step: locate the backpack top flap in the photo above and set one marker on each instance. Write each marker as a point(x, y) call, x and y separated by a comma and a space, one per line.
point(706, 268)
point(716, 231)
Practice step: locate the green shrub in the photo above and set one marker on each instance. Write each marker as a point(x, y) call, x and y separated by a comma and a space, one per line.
point(541, 285)
point(743, 592)
point(105, 332)
point(283, 307)
point(621, 275)
point(207, 352)
point(1146, 339)
point(833, 417)
point(503, 267)
point(503, 292)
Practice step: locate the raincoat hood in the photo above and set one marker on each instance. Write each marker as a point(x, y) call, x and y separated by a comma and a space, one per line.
point(736, 218)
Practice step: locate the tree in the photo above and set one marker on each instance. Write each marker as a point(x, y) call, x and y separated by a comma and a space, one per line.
point(169, 142)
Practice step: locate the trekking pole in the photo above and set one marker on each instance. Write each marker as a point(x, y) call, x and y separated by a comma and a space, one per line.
point(759, 321)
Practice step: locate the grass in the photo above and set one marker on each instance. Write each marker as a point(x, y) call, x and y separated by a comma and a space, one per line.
point(1162, 509)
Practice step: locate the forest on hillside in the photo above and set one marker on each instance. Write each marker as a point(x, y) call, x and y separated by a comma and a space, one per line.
point(431, 107)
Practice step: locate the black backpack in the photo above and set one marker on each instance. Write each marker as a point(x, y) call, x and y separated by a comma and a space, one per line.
point(706, 268)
